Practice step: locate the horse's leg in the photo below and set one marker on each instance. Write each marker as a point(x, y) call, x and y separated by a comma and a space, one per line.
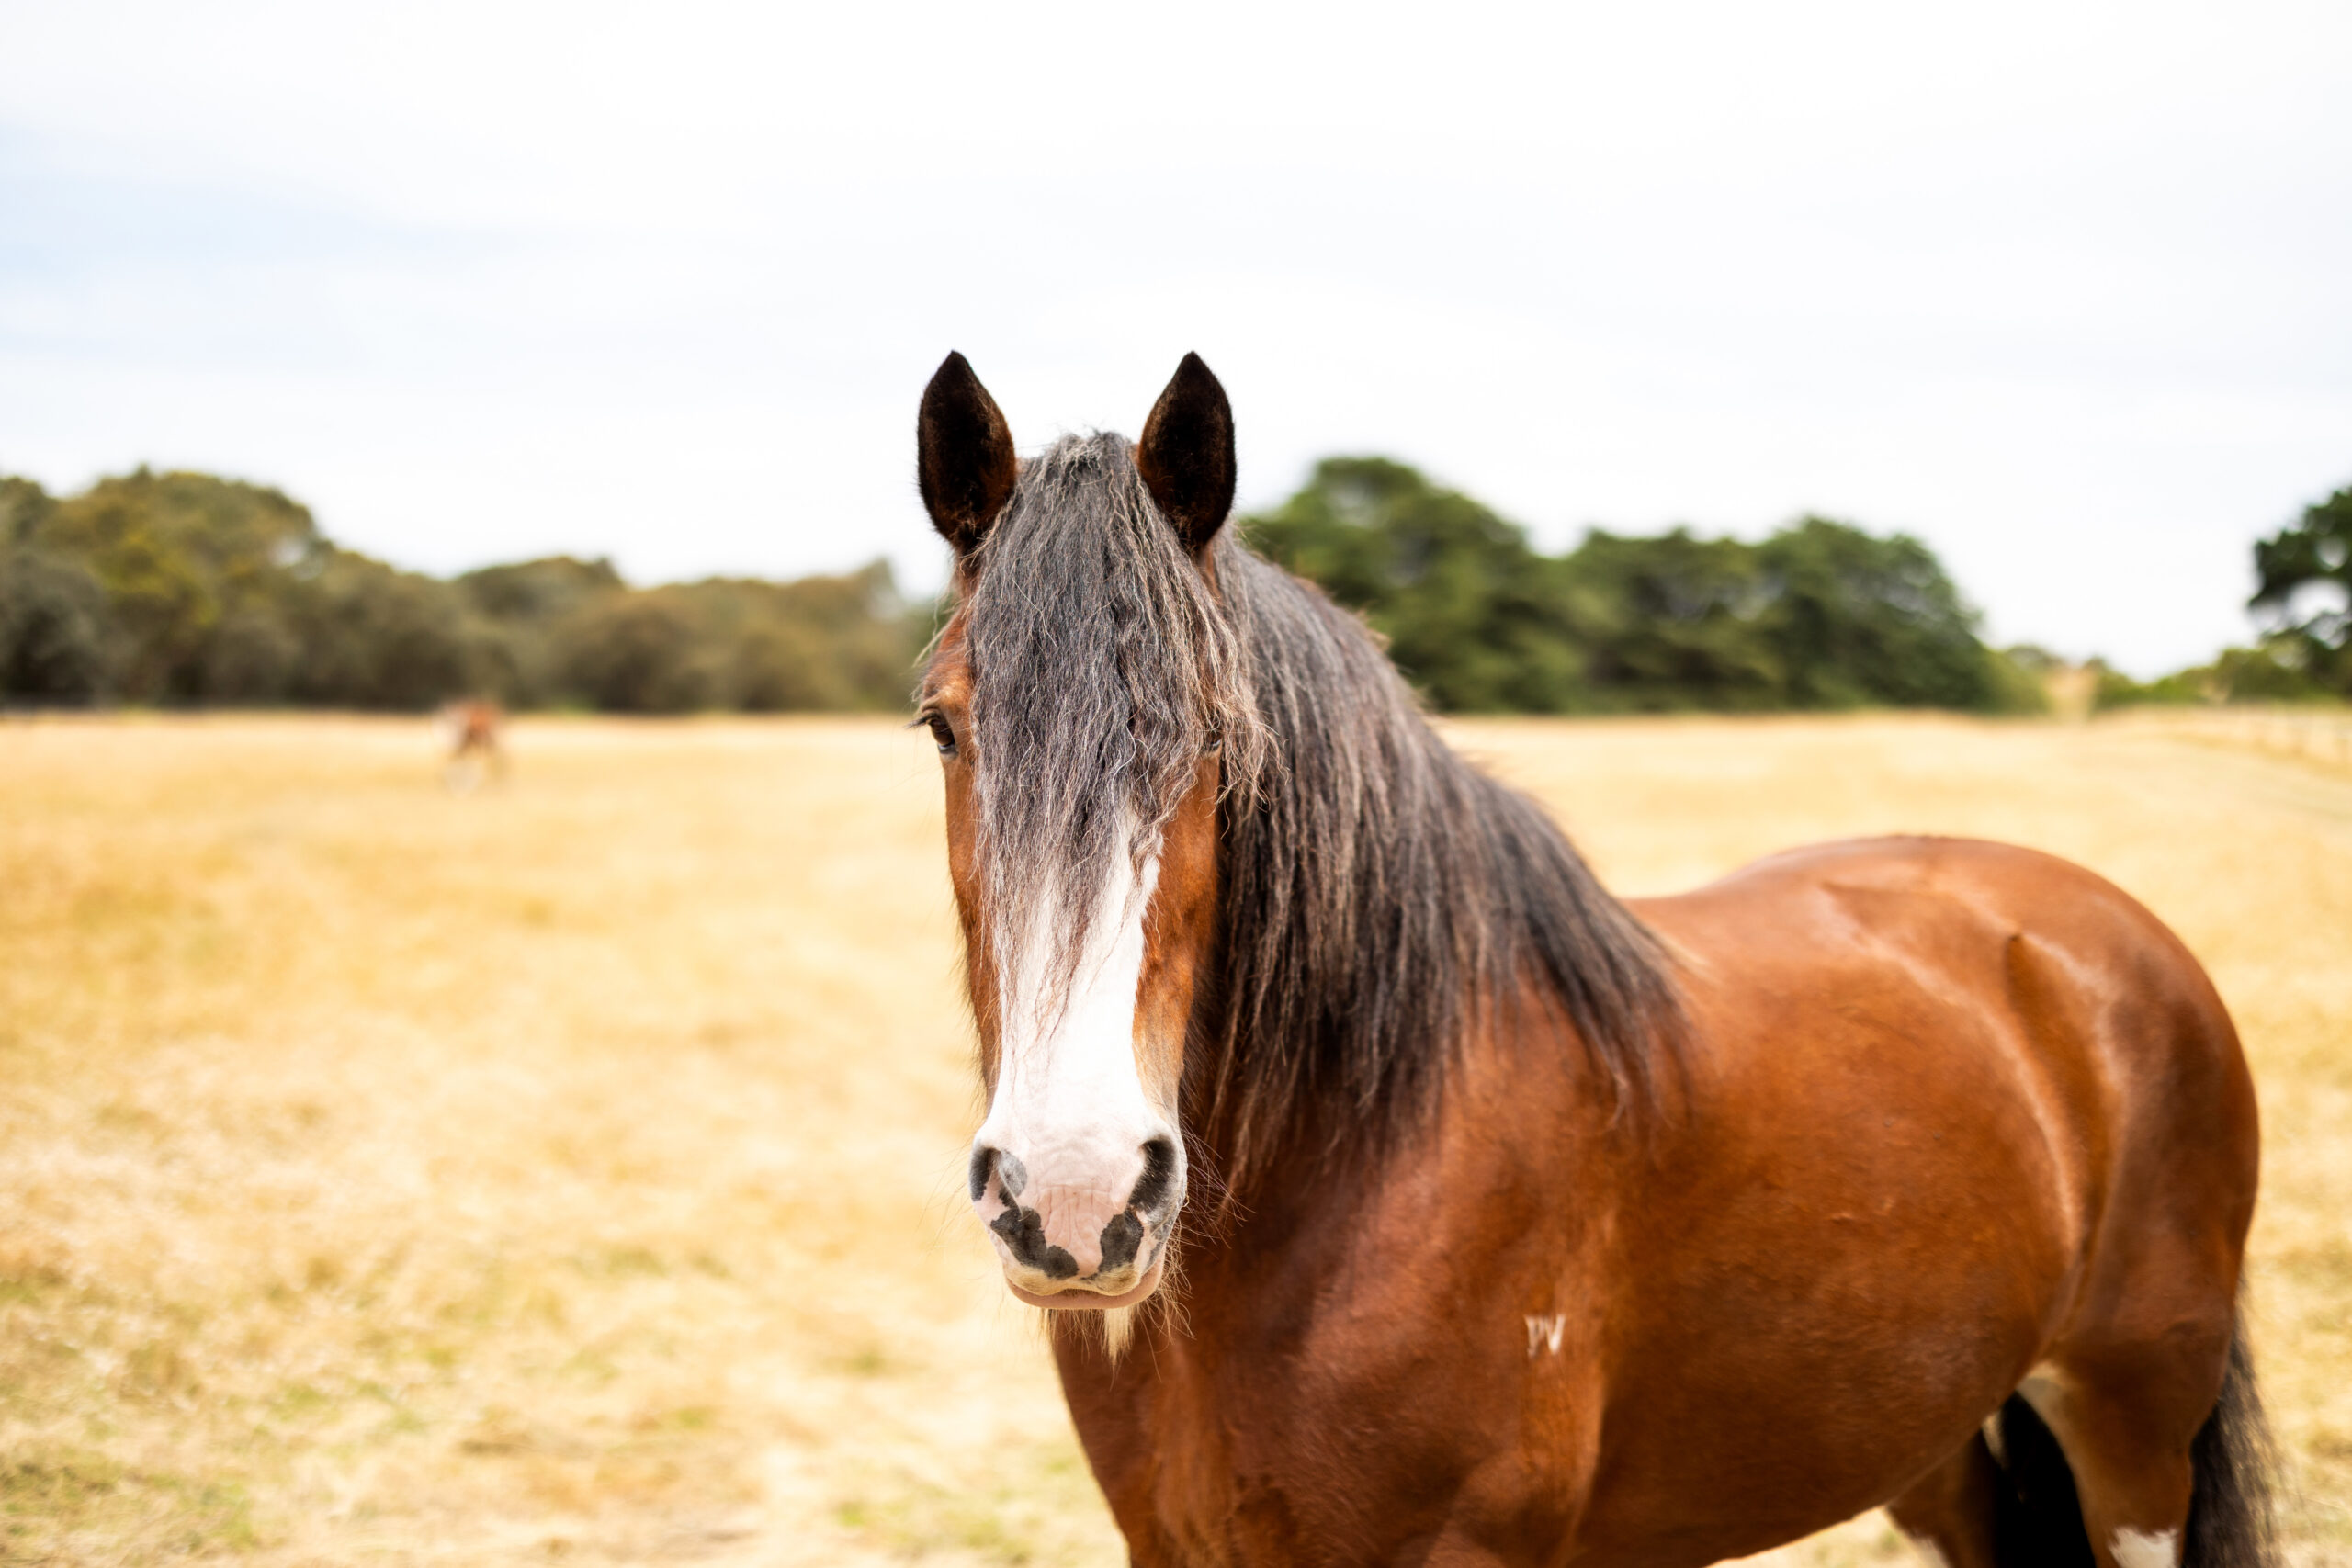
point(2152, 1401)
point(2126, 1422)
point(2150, 1372)
point(1951, 1511)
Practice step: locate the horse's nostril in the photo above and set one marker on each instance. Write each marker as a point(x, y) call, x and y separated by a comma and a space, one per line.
point(1158, 1179)
point(989, 1161)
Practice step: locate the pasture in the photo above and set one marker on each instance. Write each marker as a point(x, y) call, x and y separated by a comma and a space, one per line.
point(571, 1170)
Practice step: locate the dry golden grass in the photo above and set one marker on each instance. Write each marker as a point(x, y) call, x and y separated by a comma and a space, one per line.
point(571, 1170)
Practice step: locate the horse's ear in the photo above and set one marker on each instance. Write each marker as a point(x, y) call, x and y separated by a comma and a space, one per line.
point(964, 457)
point(1186, 453)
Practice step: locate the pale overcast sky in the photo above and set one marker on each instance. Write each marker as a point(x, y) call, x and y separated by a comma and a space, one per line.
point(2061, 289)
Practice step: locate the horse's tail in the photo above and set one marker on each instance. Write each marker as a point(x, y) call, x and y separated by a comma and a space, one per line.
point(2229, 1511)
point(2039, 1516)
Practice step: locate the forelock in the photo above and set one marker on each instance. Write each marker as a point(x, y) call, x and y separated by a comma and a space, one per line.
point(1102, 667)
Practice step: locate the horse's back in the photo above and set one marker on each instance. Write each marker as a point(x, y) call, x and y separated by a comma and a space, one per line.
point(2104, 1014)
point(2038, 984)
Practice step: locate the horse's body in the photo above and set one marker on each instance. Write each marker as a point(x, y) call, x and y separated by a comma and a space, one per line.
point(1551, 1230)
point(1799, 1295)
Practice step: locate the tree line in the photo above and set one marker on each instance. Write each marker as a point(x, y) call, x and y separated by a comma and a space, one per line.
point(183, 589)
point(1820, 615)
point(2302, 599)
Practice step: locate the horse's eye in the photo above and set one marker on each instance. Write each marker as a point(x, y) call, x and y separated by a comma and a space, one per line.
point(943, 733)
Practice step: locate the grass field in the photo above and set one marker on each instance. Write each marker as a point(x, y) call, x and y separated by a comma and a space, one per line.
point(569, 1170)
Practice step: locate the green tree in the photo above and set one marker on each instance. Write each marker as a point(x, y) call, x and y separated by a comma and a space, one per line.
point(819, 643)
point(58, 642)
point(1858, 621)
point(1473, 616)
point(371, 636)
point(23, 507)
point(2273, 672)
point(639, 652)
point(1820, 615)
point(2305, 590)
point(829, 643)
point(178, 554)
point(540, 591)
point(1670, 623)
point(184, 588)
point(522, 608)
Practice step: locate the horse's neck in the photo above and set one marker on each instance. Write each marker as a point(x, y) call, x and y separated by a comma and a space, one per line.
point(1518, 1109)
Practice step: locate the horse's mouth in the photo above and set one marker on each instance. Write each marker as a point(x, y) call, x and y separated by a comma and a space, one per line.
point(1077, 1296)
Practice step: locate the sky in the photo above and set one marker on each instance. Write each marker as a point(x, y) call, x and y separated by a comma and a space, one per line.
point(2059, 288)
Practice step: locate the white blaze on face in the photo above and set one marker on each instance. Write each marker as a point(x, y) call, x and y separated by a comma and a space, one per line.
point(1065, 1142)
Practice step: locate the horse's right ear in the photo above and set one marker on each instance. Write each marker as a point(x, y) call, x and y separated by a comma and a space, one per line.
point(963, 457)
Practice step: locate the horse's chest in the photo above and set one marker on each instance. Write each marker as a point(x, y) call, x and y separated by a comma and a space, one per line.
point(1361, 1442)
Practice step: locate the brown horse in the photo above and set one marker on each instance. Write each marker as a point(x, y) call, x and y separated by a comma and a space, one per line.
point(471, 730)
point(1524, 1225)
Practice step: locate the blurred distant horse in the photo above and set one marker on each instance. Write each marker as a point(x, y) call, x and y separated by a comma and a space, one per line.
point(1535, 1227)
point(471, 732)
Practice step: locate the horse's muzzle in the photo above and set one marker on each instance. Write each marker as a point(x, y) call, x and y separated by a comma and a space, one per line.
point(1081, 1241)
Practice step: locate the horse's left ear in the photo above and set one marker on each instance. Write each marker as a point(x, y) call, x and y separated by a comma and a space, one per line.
point(1186, 453)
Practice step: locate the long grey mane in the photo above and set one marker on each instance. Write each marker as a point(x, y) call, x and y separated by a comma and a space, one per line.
point(1102, 671)
point(1382, 898)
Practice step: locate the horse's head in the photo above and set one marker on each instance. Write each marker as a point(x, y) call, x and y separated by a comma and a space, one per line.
point(1091, 705)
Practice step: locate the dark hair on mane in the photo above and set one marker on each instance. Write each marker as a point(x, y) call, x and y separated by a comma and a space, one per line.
point(1381, 898)
point(1102, 669)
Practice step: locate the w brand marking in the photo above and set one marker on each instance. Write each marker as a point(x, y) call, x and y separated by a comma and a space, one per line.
point(1544, 1333)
